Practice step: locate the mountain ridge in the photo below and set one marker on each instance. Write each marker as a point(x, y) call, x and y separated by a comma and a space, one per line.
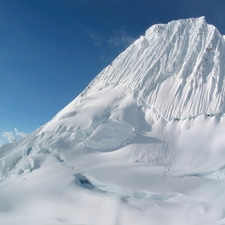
point(148, 80)
point(142, 142)
point(133, 78)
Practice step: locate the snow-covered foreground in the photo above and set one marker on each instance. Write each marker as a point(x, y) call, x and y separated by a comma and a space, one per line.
point(143, 144)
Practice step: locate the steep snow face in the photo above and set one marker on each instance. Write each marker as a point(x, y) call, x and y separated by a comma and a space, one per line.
point(143, 143)
point(177, 67)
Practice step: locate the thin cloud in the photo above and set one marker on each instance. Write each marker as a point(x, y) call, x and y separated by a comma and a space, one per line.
point(20, 133)
point(96, 39)
point(11, 136)
point(117, 38)
point(120, 37)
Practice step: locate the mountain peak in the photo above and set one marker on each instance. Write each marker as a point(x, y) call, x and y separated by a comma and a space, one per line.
point(182, 60)
point(150, 126)
point(174, 23)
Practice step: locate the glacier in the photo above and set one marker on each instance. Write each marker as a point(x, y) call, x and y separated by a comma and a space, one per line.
point(142, 144)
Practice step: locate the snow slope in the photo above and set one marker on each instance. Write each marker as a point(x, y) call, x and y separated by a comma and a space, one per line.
point(142, 144)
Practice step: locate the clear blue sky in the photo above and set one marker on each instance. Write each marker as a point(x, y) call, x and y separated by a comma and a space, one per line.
point(51, 49)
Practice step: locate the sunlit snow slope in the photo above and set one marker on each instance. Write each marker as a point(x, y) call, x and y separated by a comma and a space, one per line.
point(142, 144)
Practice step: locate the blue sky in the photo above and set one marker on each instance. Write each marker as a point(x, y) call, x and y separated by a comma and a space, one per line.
point(51, 49)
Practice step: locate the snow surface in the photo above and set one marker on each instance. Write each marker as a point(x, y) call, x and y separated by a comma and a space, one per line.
point(142, 144)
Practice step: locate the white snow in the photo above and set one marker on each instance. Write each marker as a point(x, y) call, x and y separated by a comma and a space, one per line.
point(142, 144)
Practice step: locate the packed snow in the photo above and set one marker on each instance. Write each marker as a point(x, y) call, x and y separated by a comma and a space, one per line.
point(142, 144)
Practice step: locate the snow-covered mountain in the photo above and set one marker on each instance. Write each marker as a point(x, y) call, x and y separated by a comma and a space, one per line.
point(142, 144)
